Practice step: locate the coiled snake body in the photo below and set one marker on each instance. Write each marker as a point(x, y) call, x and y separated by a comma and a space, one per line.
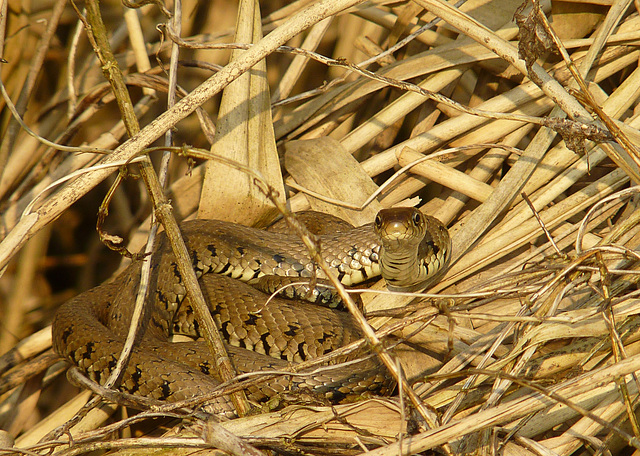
point(90, 329)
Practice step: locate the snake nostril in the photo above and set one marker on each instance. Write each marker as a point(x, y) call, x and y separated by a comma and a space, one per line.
point(417, 218)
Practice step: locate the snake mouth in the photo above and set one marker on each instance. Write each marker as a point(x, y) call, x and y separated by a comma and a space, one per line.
point(393, 242)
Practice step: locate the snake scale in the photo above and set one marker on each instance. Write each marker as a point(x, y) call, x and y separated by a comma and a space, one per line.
point(409, 248)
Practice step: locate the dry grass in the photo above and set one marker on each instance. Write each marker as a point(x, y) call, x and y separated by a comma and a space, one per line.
point(528, 345)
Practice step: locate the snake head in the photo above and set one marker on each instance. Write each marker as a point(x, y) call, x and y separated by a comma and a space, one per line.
point(400, 228)
point(415, 248)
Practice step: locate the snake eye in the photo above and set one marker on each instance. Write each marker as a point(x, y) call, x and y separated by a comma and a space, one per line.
point(417, 218)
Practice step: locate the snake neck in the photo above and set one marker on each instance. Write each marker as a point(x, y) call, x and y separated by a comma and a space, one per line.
point(409, 268)
point(401, 268)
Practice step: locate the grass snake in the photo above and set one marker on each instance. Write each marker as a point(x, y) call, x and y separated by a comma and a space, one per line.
point(409, 248)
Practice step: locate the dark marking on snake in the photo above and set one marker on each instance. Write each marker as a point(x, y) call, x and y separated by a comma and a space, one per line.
point(251, 320)
point(217, 309)
point(337, 395)
point(176, 271)
point(292, 331)
point(90, 349)
point(136, 376)
point(434, 247)
point(224, 329)
point(265, 343)
point(301, 350)
point(65, 335)
point(166, 389)
point(205, 368)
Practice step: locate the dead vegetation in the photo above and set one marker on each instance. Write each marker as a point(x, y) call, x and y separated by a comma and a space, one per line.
point(515, 125)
